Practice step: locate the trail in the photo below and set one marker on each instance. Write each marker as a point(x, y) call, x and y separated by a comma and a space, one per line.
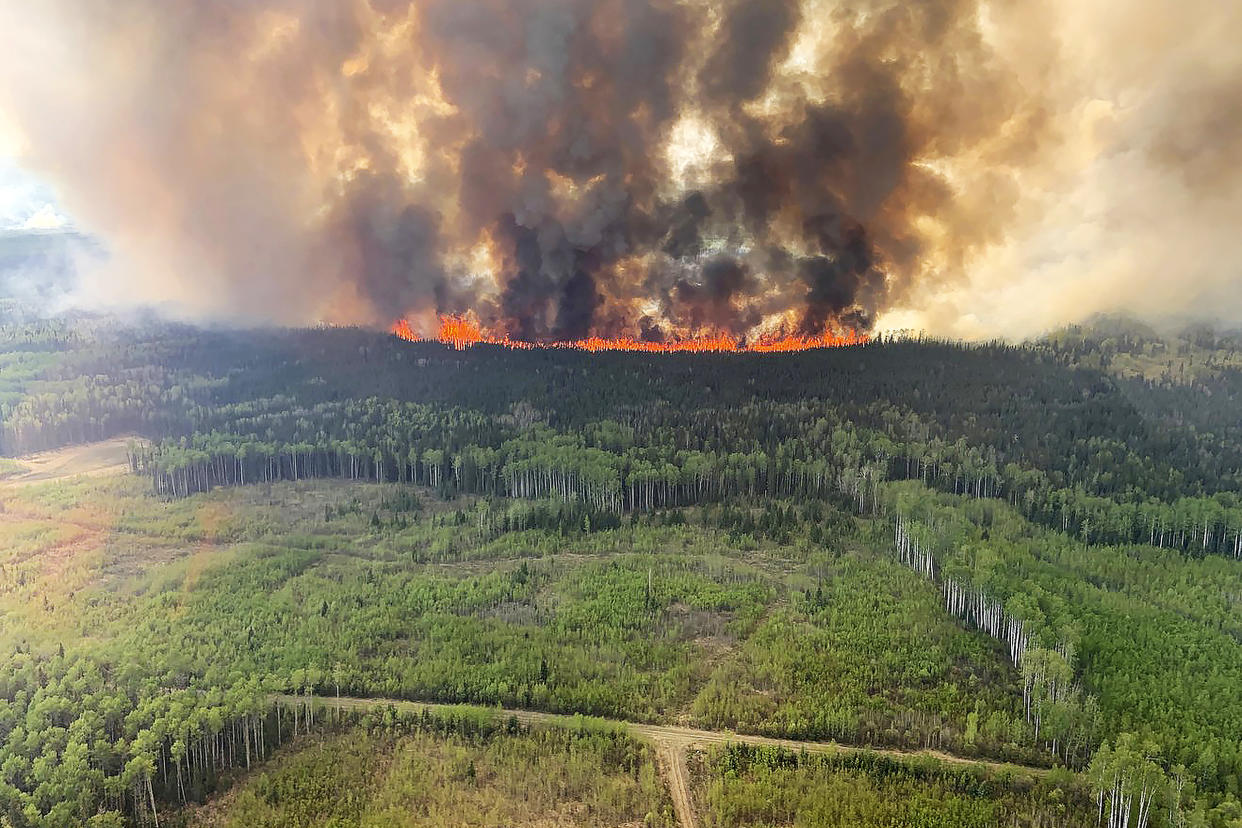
point(673, 759)
point(671, 742)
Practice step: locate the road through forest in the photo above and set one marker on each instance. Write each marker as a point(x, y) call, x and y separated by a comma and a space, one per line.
point(670, 741)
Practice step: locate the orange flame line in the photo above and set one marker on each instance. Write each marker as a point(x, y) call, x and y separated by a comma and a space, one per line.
point(461, 333)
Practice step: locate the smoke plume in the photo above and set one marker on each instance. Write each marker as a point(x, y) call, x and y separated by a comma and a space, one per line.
point(650, 168)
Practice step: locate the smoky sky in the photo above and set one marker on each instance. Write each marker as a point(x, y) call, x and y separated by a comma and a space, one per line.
point(562, 168)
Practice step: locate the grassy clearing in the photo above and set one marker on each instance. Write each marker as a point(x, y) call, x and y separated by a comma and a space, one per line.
point(864, 653)
point(106, 458)
point(375, 776)
point(11, 468)
point(670, 623)
point(773, 788)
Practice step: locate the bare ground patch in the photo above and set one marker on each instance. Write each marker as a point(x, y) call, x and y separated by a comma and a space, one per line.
point(104, 458)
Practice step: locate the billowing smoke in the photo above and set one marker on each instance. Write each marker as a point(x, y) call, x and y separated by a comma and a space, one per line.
point(650, 168)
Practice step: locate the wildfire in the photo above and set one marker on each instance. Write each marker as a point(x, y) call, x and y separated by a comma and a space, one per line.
point(461, 333)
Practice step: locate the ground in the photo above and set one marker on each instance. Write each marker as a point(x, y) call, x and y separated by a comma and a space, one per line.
point(90, 459)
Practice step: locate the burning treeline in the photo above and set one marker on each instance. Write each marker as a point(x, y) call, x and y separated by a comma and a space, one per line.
point(766, 171)
point(461, 332)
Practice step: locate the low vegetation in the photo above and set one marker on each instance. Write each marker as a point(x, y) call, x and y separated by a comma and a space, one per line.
point(461, 770)
point(771, 787)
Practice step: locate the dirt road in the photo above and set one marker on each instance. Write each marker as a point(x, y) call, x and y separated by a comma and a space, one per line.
point(671, 742)
point(673, 765)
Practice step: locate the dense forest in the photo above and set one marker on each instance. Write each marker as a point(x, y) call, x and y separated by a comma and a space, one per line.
point(1021, 553)
point(1110, 458)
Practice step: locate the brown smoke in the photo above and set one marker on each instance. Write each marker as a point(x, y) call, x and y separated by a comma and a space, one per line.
point(640, 167)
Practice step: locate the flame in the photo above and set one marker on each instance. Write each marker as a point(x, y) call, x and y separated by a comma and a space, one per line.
point(461, 332)
point(458, 332)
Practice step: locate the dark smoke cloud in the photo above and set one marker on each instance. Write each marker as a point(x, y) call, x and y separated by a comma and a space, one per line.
point(754, 35)
point(562, 167)
point(391, 243)
point(719, 300)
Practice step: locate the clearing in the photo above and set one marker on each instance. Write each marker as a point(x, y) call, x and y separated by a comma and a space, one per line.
point(93, 459)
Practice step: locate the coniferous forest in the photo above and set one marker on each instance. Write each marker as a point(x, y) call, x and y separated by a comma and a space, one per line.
point(1004, 580)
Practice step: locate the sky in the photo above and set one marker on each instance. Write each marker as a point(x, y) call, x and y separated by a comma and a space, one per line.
point(26, 202)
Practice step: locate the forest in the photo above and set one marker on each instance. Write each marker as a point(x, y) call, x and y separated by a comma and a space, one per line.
point(1027, 555)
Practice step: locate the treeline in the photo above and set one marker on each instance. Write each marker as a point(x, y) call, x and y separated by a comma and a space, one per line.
point(1205, 524)
point(85, 742)
point(537, 463)
point(613, 467)
point(1065, 719)
point(143, 401)
point(1148, 634)
point(1014, 405)
point(85, 745)
point(1071, 446)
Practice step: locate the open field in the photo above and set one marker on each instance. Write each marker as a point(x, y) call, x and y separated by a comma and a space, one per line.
point(746, 785)
point(450, 770)
point(99, 459)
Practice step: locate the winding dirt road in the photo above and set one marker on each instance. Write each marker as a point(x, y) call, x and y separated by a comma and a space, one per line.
point(671, 742)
